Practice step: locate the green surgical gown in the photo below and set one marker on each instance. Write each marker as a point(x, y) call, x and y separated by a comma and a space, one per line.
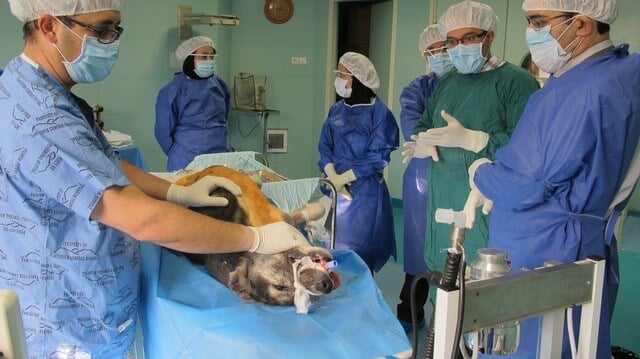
point(490, 101)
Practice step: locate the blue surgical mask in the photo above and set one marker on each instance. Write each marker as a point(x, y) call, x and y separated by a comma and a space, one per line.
point(467, 58)
point(546, 51)
point(440, 63)
point(341, 87)
point(94, 62)
point(205, 68)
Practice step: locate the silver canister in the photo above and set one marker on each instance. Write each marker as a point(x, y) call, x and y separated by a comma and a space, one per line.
point(490, 263)
point(503, 339)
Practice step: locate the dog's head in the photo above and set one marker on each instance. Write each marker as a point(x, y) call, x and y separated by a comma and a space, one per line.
point(269, 279)
point(257, 277)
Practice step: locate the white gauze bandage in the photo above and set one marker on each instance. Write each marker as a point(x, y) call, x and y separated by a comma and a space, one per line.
point(302, 298)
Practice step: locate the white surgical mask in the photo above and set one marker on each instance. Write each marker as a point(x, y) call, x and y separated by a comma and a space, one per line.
point(205, 68)
point(440, 63)
point(341, 87)
point(546, 51)
point(467, 58)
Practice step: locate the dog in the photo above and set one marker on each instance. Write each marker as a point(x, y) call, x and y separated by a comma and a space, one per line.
point(260, 278)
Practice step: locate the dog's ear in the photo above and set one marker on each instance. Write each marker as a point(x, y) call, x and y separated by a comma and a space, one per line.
point(239, 281)
point(294, 254)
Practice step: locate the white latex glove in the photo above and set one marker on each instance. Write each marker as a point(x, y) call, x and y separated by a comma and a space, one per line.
point(418, 149)
point(199, 193)
point(308, 212)
point(476, 198)
point(276, 237)
point(339, 181)
point(455, 135)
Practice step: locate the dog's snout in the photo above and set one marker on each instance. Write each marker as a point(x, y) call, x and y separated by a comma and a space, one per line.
point(325, 286)
point(317, 281)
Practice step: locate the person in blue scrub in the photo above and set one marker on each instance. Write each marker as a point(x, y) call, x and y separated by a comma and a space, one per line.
point(414, 99)
point(71, 212)
point(192, 110)
point(355, 146)
point(558, 186)
point(471, 113)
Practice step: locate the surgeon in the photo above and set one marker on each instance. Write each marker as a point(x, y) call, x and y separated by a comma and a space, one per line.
point(355, 146)
point(72, 214)
point(471, 113)
point(414, 99)
point(558, 186)
point(192, 110)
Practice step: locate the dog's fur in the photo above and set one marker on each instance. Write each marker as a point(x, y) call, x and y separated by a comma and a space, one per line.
point(257, 277)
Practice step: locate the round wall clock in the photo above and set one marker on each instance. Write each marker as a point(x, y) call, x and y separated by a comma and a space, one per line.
point(278, 11)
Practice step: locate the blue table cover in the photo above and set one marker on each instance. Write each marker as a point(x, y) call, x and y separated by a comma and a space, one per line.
point(185, 313)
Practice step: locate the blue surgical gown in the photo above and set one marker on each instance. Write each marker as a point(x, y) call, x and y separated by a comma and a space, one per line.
point(415, 193)
point(553, 182)
point(76, 279)
point(191, 119)
point(490, 101)
point(361, 138)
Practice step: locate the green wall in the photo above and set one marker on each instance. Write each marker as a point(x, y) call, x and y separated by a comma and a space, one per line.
point(298, 92)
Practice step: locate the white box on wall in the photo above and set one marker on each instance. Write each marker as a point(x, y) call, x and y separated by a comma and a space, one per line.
point(277, 140)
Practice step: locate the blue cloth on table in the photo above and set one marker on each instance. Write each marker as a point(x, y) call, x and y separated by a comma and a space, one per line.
point(187, 313)
point(132, 155)
point(240, 161)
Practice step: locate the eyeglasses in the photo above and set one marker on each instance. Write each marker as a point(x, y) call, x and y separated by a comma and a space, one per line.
point(103, 36)
point(433, 51)
point(465, 40)
point(540, 22)
point(342, 75)
point(204, 56)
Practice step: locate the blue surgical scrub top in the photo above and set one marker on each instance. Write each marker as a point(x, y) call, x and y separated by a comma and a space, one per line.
point(191, 119)
point(77, 280)
point(415, 191)
point(361, 138)
point(554, 181)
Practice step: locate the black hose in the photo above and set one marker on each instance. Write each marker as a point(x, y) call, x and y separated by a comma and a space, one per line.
point(429, 340)
point(458, 333)
point(430, 277)
point(448, 282)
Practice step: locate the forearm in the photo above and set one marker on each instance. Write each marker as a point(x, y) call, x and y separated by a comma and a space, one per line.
point(151, 185)
point(373, 162)
point(508, 188)
point(169, 225)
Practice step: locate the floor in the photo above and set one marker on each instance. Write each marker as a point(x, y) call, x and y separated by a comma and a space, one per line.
point(625, 329)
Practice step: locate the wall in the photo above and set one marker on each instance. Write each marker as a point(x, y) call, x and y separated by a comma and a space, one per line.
point(413, 17)
point(296, 91)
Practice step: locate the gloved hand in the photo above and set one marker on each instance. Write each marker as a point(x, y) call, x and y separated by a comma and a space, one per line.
point(455, 135)
point(199, 193)
point(418, 149)
point(276, 237)
point(475, 198)
point(308, 212)
point(339, 181)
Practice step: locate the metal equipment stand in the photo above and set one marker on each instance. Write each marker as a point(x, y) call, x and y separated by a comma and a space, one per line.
point(547, 291)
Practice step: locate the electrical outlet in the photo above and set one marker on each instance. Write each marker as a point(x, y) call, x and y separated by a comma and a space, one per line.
point(295, 60)
point(303, 60)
